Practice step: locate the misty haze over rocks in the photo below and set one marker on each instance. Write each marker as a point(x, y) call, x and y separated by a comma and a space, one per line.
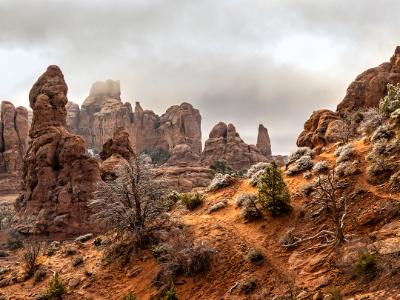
point(236, 61)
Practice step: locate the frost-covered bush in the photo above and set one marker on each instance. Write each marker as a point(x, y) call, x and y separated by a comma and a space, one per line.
point(307, 189)
point(389, 106)
point(371, 121)
point(320, 167)
point(394, 182)
point(250, 211)
point(304, 163)
point(347, 168)
point(344, 153)
point(300, 152)
point(220, 180)
point(307, 175)
point(382, 133)
point(217, 206)
point(255, 171)
point(379, 170)
point(243, 198)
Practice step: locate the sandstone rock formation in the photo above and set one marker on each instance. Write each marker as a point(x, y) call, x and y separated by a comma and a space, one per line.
point(263, 141)
point(59, 177)
point(224, 143)
point(323, 127)
point(13, 144)
point(365, 91)
point(371, 86)
point(177, 131)
point(119, 144)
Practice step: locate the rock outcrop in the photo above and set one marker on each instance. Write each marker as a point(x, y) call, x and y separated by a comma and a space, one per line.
point(365, 91)
point(177, 131)
point(224, 143)
point(13, 144)
point(119, 144)
point(371, 86)
point(59, 176)
point(263, 141)
point(323, 127)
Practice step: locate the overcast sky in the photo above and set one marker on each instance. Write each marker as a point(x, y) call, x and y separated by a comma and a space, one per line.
point(245, 62)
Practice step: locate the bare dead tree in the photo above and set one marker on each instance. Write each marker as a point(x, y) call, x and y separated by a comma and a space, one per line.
point(327, 195)
point(133, 204)
point(30, 255)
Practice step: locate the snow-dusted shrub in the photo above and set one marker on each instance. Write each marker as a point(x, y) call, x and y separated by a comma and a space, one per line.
point(307, 189)
point(389, 106)
point(300, 152)
point(394, 182)
point(304, 163)
point(221, 180)
point(379, 170)
point(320, 167)
point(382, 133)
point(307, 175)
point(245, 197)
point(371, 121)
point(347, 168)
point(217, 206)
point(255, 171)
point(344, 153)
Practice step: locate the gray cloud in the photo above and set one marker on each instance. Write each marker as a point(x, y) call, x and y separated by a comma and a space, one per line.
point(245, 62)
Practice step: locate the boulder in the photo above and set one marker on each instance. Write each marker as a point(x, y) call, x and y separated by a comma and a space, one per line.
point(59, 176)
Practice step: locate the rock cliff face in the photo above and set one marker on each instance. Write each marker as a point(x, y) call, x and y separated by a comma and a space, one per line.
point(371, 86)
point(59, 177)
point(13, 144)
point(365, 91)
point(224, 143)
point(177, 131)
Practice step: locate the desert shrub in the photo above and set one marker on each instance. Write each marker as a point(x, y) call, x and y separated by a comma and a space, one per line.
point(273, 193)
point(133, 205)
point(242, 198)
point(334, 294)
point(14, 240)
point(158, 156)
point(159, 250)
point(289, 239)
point(29, 257)
point(300, 152)
point(221, 166)
point(6, 214)
point(217, 206)
point(304, 163)
point(389, 106)
point(254, 169)
point(250, 211)
point(183, 257)
point(83, 238)
point(39, 275)
point(77, 261)
point(371, 121)
point(379, 170)
point(171, 293)
point(344, 153)
point(52, 248)
point(130, 296)
point(347, 168)
point(320, 167)
point(394, 182)
point(220, 181)
point(174, 196)
point(307, 189)
point(255, 256)
point(56, 288)
point(192, 200)
point(307, 175)
point(366, 265)
point(97, 241)
point(382, 133)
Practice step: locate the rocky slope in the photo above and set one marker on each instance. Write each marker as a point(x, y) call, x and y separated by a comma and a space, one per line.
point(59, 177)
point(13, 144)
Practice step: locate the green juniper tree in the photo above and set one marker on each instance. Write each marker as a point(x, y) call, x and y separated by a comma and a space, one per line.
point(273, 193)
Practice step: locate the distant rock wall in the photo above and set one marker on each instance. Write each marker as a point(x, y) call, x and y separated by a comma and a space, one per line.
point(13, 144)
point(59, 177)
point(224, 143)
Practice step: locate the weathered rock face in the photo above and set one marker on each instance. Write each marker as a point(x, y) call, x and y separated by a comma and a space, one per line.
point(177, 131)
point(323, 127)
point(371, 86)
point(263, 141)
point(119, 144)
point(224, 143)
point(59, 177)
point(13, 144)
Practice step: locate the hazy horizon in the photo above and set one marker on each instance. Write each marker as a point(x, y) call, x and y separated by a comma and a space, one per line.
point(269, 62)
